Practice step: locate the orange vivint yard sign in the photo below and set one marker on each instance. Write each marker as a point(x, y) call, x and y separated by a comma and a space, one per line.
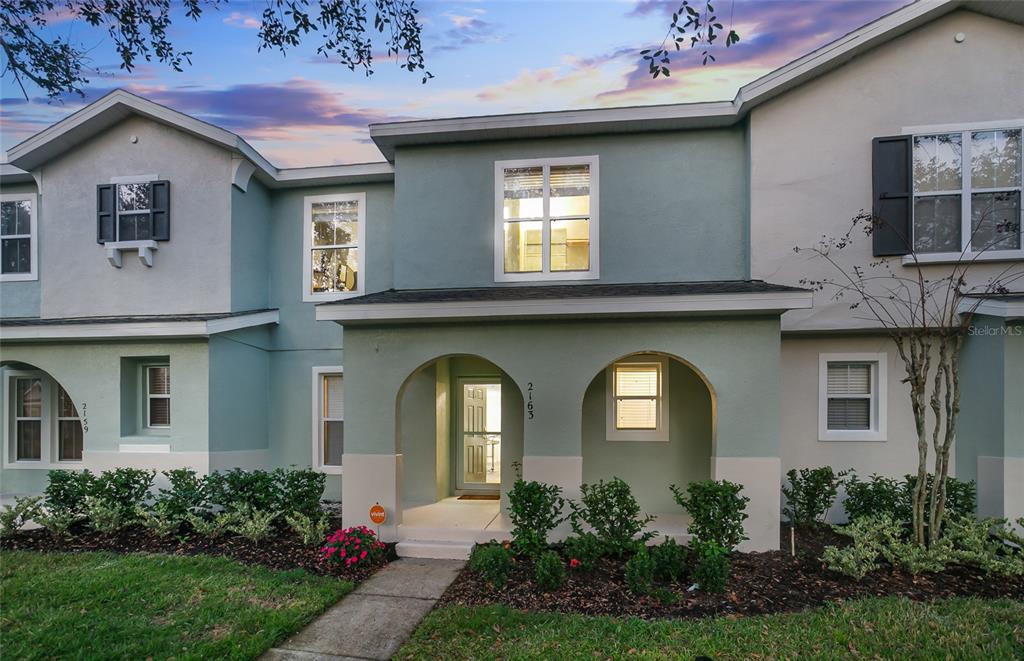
point(377, 514)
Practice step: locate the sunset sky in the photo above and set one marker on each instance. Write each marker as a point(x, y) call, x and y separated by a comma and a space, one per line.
point(487, 57)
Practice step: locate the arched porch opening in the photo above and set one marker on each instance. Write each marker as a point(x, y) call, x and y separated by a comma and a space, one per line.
point(459, 431)
point(649, 419)
point(41, 420)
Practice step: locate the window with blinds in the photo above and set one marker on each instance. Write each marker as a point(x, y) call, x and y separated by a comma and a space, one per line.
point(158, 396)
point(850, 394)
point(332, 420)
point(546, 218)
point(636, 396)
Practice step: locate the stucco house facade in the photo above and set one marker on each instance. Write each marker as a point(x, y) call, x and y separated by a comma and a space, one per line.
point(572, 295)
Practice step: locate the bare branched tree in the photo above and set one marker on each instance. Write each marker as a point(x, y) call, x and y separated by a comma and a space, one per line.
point(927, 310)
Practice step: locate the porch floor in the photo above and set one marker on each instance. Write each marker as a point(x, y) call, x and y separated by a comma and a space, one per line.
point(450, 527)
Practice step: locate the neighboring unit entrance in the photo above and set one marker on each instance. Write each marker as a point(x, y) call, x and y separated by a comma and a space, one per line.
point(479, 454)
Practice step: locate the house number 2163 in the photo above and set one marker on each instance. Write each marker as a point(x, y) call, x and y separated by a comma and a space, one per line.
point(529, 400)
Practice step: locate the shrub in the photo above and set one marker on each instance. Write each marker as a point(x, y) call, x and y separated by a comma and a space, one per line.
point(15, 516)
point(872, 536)
point(493, 562)
point(716, 509)
point(549, 572)
point(586, 549)
point(352, 547)
point(58, 522)
point(669, 560)
point(239, 489)
point(535, 510)
point(640, 572)
point(123, 489)
point(301, 491)
point(610, 509)
point(961, 497)
point(213, 526)
point(984, 544)
point(711, 570)
point(66, 491)
point(878, 496)
point(311, 530)
point(104, 516)
point(162, 519)
point(810, 494)
point(253, 524)
point(187, 493)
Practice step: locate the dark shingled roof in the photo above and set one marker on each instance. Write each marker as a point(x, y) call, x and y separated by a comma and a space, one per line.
point(547, 292)
point(66, 321)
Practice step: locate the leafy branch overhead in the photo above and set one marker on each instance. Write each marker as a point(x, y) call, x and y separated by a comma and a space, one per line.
point(692, 27)
point(33, 55)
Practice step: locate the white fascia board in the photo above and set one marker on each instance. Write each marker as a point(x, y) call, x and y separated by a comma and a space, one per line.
point(357, 173)
point(567, 307)
point(993, 307)
point(137, 329)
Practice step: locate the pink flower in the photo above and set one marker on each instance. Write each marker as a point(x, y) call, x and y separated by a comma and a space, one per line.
point(362, 555)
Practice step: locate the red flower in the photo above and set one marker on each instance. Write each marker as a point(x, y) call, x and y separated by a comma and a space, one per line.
point(574, 563)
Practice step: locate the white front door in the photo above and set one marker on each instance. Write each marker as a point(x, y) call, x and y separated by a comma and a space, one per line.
point(479, 456)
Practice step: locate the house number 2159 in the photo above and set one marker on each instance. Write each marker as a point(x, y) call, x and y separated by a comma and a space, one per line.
point(529, 400)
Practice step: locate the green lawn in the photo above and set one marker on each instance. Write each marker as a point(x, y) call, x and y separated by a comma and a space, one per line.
point(102, 605)
point(871, 628)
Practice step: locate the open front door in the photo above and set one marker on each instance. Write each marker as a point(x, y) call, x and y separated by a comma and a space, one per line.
point(480, 434)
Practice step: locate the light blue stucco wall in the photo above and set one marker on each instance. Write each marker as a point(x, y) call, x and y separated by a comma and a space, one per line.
point(239, 390)
point(251, 215)
point(21, 299)
point(672, 207)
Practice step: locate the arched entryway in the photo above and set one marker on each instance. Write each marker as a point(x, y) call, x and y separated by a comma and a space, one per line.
point(649, 418)
point(458, 423)
point(41, 421)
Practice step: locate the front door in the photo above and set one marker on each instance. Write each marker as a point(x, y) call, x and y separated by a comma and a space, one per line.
point(479, 455)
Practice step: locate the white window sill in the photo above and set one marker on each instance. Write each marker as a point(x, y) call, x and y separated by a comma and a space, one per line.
point(637, 437)
point(956, 257)
point(18, 277)
point(144, 248)
point(567, 276)
point(328, 297)
point(329, 470)
point(39, 465)
point(858, 435)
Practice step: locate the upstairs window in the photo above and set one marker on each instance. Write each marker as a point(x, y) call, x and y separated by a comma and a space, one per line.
point(133, 211)
point(334, 246)
point(967, 191)
point(17, 237)
point(637, 400)
point(546, 219)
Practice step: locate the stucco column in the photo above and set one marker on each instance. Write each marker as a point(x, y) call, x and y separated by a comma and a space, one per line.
point(552, 425)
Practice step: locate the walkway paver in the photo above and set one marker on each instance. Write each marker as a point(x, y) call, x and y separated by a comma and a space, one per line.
point(373, 621)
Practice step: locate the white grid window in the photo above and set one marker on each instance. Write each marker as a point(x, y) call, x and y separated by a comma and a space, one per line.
point(334, 239)
point(852, 397)
point(328, 419)
point(134, 220)
point(70, 434)
point(546, 219)
point(18, 248)
point(967, 192)
point(158, 396)
point(45, 429)
point(638, 400)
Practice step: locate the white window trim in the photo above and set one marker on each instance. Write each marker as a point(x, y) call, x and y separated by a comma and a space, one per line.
point(499, 223)
point(32, 236)
point(49, 437)
point(965, 190)
point(879, 390)
point(318, 455)
point(308, 296)
point(149, 396)
point(661, 434)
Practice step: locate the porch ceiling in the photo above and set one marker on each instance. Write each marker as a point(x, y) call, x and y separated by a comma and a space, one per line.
point(732, 297)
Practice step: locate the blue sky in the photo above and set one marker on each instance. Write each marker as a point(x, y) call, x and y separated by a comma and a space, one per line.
point(487, 57)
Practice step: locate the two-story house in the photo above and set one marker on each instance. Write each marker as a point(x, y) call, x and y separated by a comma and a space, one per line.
point(574, 295)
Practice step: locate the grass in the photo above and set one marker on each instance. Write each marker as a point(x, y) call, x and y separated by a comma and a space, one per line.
point(139, 606)
point(886, 628)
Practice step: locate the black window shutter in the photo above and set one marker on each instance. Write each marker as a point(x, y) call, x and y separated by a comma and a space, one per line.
point(160, 210)
point(105, 214)
point(891, 163)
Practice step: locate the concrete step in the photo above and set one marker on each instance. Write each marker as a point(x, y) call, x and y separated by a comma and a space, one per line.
point(442, 534)
point(437, 549)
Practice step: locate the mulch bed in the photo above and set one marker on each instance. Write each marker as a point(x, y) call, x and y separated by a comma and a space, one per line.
point(760, 583)
point(283, 551)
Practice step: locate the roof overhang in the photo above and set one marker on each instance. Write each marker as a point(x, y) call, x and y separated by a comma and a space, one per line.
point(1011, 307)
point(98, 328)
point(391, 135)
point(119, 105)
point(567, 308)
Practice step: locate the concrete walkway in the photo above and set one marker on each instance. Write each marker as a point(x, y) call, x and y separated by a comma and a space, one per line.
point(373, 621)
